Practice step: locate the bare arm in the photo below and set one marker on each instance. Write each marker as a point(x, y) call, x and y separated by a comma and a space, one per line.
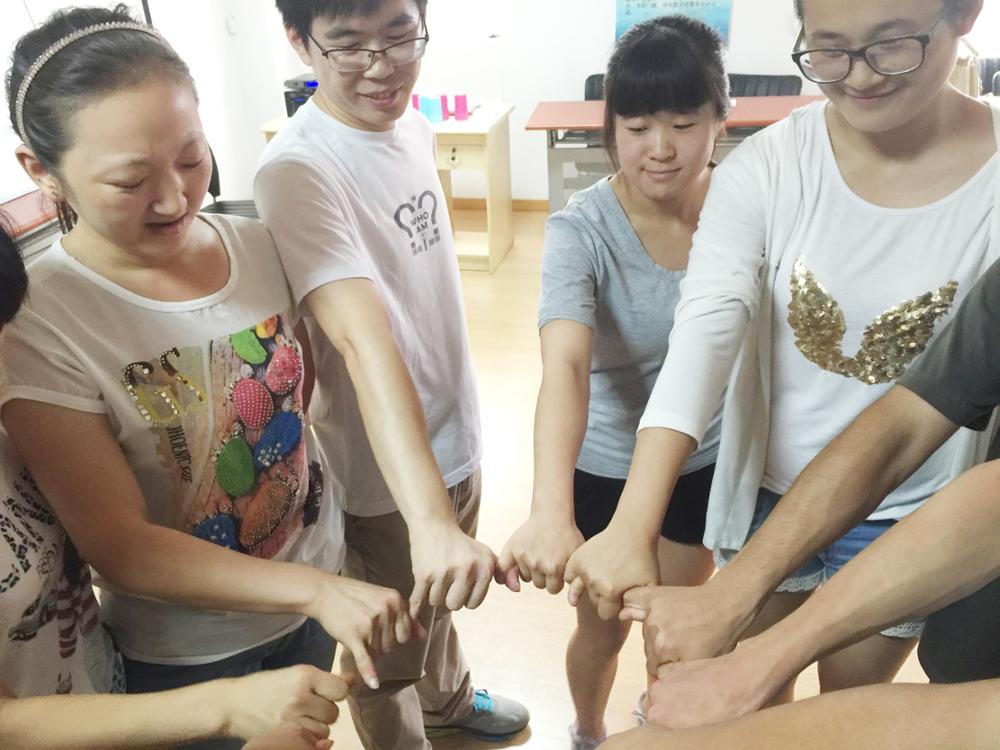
point(254, 706)
point(540, 548)
point(836, 491)
point(98, 500)
point(450, 569)
point(942, 552)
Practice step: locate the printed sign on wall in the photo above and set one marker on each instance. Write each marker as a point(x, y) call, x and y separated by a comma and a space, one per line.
point(716, 13)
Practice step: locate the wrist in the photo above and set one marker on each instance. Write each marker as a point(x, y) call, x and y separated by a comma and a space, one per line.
point(742, 596)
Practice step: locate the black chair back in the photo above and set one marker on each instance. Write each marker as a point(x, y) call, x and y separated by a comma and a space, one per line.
point(593, 87)
point(742, 84)
point(244, 208)
point(988, 68)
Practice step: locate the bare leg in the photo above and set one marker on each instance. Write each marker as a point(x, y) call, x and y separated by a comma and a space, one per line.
point(591, 664)
point(874, 660)
point(683, 564)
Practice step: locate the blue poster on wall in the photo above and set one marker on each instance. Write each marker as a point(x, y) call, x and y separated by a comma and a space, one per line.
point(716, 13)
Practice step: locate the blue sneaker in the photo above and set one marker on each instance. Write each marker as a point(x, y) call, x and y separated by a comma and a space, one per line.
point(492, 718)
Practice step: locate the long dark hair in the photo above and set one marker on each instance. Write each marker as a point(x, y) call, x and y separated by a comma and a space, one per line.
point(670, 63)
point(93, 66)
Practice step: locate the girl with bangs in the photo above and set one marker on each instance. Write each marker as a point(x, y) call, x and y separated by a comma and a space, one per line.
point(612, 265)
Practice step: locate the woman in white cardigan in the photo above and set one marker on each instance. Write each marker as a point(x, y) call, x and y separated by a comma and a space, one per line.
point(856, 225)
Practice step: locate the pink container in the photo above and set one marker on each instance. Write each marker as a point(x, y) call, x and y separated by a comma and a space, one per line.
point(461, 107)
point(415, 100)
point(444, 107)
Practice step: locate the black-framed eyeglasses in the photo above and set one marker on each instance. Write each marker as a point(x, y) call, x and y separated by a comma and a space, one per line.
point(358, 60)
point(889, 57)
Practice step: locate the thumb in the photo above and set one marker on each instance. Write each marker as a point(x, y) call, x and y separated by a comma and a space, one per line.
point(638, 601)
point(513, 580)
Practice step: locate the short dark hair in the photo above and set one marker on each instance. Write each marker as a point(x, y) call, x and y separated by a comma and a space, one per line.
point(300, 14)
point(670, 63)
point(13, 279)
point(952, 8)
point(93, 66)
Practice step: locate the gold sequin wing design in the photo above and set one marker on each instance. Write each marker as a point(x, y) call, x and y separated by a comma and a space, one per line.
point(895, 337)
point(817, 322)
point(889, 343)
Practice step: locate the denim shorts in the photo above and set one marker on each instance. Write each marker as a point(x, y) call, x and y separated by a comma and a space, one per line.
point(821, 568)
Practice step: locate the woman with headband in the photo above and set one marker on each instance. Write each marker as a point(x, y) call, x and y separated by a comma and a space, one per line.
point(153, 381)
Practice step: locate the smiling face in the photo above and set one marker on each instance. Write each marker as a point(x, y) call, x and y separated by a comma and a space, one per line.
point(662, 154)
point(373, 99)
point(869, 101)
point(139, 167)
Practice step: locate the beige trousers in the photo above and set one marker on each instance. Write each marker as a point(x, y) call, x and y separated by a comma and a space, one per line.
point(423, 682)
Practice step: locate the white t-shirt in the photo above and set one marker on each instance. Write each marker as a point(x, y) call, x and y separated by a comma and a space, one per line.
point(51, 637)
point(204, 397)
point(889, 278)
point(347, 204)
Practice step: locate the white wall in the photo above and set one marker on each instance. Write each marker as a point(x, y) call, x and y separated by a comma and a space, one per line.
point(521, 51)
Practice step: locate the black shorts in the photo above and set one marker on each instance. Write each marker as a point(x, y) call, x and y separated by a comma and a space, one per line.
point(595, 500)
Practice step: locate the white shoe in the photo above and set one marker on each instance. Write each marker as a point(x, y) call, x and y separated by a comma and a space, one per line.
point(581, 741)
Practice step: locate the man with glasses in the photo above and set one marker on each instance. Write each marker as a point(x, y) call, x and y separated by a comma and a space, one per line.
point(350, 191)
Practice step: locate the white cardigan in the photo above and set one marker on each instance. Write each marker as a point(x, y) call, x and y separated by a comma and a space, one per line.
point(723, 322)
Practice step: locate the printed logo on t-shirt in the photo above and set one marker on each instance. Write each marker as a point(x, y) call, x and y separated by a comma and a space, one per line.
point(45, 560)
point(419, 219)
point(232, 434)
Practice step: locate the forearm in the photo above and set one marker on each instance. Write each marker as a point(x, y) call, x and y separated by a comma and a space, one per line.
point(108, 722)
point(354, 318)
point(560, 427)
point(841, 487)
point(659, 457)
point(156, 561)
point(942, 552)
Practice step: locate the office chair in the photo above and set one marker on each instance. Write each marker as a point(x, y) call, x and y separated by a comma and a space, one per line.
point(593, 87)
point(996, 83)
point(233, 208)
point(742, 84)
point(988, 69)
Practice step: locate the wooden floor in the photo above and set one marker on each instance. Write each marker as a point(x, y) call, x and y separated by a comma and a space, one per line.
point(516, 643)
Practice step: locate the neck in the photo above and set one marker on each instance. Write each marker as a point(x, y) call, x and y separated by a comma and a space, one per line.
point(685, 207)
point(108, 259)
point(327, 107)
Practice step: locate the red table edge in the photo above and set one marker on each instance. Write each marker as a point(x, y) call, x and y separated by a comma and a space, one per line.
point(28, 212)
point(545, 124)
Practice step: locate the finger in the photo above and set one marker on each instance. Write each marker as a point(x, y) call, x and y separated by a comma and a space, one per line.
point(523, 569)
point(504, 563)
point(323, 745)
point(640, 598)
point(319, 709)
point(388, 621)
point(538, 578)
point(333, 687)
point(418, 597)
point(633, 614)
point(513, 581)
point(608, 608)
point(403, 629)
point(554, 583)
point(315, 728)
point(350, 679)
point(479, 592)
point(438, 591)
point(577, 588)
point(459, 592)
point(417, 629)
point(374, 638)
point(365, 665)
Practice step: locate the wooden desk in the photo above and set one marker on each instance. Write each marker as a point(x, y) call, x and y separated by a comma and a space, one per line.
point(748, 113)
point(481, 143)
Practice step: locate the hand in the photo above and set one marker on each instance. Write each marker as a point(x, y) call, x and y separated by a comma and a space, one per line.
point(302, 697)
point(607, 566)
point(450, 568)
point(367, 620)
point(538, 552)
point(288, 737)
point(680, 623)
point(710, 691)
